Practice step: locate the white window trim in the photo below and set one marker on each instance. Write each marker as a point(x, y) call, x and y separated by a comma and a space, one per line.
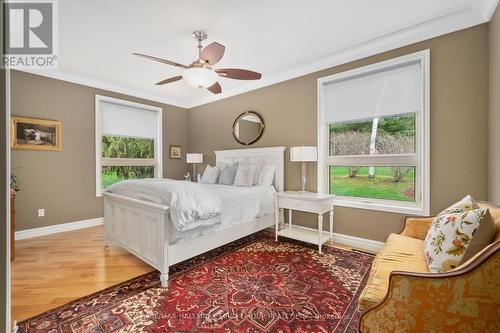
point(99, 162)
point(422, 193)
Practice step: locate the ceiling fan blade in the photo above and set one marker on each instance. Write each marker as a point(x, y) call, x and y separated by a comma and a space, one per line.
point(238, 74)
point(213, 53)
point(172, 79)
point(164, 61)
point(215, 88)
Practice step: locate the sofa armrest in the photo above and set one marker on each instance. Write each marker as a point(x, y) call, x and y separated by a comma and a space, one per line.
point(425, 302)
point(416, 227)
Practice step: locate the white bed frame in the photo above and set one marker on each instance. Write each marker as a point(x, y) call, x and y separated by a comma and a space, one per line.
point(142, 228)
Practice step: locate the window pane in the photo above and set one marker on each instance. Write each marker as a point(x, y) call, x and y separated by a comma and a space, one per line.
point(114, 174)
point(390, 183)
point(124, 147)
point(393, 135)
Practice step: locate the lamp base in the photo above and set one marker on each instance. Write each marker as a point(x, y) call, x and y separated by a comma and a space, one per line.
point(303, 182)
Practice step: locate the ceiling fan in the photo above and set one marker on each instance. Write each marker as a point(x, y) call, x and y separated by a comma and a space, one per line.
point(201, 74)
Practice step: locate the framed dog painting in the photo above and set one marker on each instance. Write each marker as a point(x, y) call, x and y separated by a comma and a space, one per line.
point(35, 134)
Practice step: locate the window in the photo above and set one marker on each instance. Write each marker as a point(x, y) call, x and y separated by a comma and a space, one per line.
point(128, 141)
point(373, 136)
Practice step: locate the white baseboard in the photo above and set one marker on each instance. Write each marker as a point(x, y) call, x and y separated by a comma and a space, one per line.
point(361, 243)
point(54, 229)
point(357, 242)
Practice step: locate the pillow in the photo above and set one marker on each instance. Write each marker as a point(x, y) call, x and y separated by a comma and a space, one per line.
point(457, 234)
point(467, 203)
point(245, 175)
point(266, 176)
point(227, 174)
point(484, 234)
point(258, 170)
point(210, 175)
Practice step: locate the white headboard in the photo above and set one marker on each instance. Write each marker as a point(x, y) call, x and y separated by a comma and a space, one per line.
point(270, 155)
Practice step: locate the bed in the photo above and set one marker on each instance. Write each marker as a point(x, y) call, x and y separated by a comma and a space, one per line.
point(143, 225)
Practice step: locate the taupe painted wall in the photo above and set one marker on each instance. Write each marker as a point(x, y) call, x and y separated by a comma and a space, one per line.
point(64, 182)
point(459, 117)
point(494, 174)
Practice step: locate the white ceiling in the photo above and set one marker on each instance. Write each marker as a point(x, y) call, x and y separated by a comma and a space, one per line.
point(280, 38)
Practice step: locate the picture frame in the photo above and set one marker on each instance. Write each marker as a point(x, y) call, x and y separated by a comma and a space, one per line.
point(175, 152)
point(35, 134)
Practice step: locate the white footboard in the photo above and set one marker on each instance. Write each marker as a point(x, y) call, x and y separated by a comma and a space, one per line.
point(140, 227)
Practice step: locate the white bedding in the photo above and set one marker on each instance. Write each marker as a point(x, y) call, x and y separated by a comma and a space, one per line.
point(200, 206)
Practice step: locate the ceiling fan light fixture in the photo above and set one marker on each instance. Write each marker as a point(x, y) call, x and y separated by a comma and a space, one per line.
point(200, 77)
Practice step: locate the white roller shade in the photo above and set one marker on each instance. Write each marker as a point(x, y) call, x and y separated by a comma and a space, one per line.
point(128, 121)
point(383, 93)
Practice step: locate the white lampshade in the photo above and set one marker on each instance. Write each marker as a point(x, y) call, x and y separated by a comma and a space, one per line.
point(200, 77)
point(303, 154)
point(194, 158)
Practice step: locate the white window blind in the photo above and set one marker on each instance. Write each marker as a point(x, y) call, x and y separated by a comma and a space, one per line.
point(132, 123)
point(128, 121)
point(375, 94)
point(373, 135)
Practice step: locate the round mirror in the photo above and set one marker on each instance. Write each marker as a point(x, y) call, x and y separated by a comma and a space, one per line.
point(248, 127)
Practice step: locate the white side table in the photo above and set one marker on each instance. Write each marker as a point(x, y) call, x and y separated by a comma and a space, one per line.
point(304, 202)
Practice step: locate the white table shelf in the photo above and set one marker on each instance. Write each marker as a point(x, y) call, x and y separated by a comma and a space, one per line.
point(305, 202)
point(304, 234)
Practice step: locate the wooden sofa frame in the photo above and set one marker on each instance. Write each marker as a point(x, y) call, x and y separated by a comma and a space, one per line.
point(378, 317)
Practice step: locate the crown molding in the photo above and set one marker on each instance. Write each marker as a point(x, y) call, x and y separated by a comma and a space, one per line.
point(479, 12)
point(486, 7)
point(86, 81)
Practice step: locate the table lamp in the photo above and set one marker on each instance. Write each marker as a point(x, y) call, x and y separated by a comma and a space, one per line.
point(194, 159)
point(303, 154)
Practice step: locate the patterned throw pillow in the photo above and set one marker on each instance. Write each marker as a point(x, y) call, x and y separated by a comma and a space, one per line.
point(210, 175)
point(245, 175)
point(467, 203)
point(456, 234)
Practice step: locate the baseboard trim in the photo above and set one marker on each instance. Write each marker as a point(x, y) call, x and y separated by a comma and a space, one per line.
point(358, 242)
point(54, 229)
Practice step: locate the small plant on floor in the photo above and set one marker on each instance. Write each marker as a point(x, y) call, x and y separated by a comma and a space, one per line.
point(15, 184)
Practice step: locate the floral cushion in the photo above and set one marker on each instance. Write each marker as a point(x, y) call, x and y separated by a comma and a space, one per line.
point(467, 203)
point(456, 234)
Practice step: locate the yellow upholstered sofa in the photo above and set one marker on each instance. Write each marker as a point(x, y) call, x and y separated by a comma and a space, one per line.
point(401, 295)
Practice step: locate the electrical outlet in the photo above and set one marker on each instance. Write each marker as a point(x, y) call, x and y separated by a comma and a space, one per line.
point(41, 212)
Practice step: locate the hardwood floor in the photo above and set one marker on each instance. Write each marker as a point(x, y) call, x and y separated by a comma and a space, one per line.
point(53, 270)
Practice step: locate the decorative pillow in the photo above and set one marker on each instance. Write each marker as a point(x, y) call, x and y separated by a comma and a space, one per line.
point(227, 174)
point(245, 175)
point(210, 175)
point(457, 234)
point(258, 170)
point(467, 203)
point(266, 176)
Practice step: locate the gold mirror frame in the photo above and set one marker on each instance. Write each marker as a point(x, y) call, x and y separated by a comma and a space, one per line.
point(262, 126)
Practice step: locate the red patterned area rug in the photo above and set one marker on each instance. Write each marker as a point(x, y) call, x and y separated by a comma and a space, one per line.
point(251, 285)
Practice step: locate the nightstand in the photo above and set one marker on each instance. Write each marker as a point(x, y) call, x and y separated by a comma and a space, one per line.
point(305, 202)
